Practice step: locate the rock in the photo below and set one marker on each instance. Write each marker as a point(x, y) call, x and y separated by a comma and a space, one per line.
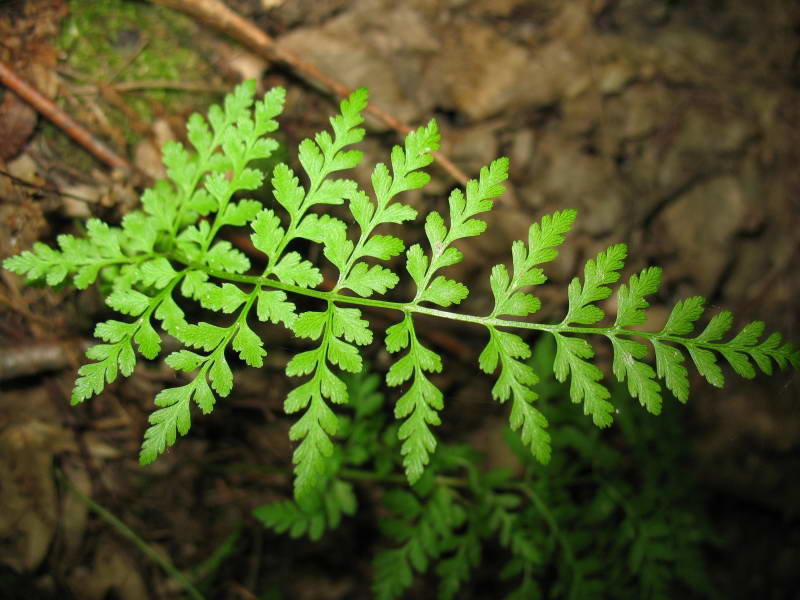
point(615, 76)
point(642, 108)
point(582, 114)
point(573, 22)
point(713, 134)
point(703, 143)
point(477, 72)
point(603, 211)
point(570, 177)
point(521, 150)
point(471, 147)
point(556, 70)
point(701, 225)
point(148, 159)
point(352, 49)
point(689, 57)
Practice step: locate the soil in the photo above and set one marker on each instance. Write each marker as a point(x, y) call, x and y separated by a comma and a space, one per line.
point(670, 125)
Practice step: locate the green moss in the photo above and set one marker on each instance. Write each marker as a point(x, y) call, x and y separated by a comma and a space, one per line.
point(119, 40)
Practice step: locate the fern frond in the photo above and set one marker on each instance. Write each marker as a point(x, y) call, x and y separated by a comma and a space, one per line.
point(172, 248)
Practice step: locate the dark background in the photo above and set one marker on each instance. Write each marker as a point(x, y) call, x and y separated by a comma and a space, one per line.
point(671, 125)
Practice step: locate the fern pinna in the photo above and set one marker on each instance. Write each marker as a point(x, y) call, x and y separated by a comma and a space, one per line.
point(170, 249)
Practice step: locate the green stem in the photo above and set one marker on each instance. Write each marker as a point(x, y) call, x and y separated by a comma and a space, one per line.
point(436, 252)
point(126, 532)
point(156, 302)
point(233, 329)
point(159, 298)
point(410, 307)
point(355, 254)
point(202, 169)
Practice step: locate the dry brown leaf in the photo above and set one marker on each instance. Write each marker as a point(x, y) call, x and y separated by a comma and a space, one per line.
point(28, 493)
point(114, 569)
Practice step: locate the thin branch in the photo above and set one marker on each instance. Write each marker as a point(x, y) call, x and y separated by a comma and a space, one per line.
point(155, 84)
point(219, 16)
point(42, 188)
point(58, 117)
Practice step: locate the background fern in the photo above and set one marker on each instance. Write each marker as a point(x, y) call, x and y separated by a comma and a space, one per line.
point(607, 518)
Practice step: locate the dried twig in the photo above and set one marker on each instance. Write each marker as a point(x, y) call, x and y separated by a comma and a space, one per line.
point(52, 112)
point(42, 188)
point(155, 84)
point(219, 16)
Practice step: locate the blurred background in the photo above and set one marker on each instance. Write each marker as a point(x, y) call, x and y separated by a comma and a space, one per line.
point(671, 125)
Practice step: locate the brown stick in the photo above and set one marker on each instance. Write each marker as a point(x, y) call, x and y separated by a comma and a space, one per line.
point(155, 84)
point(219, 16)
point(61, 119)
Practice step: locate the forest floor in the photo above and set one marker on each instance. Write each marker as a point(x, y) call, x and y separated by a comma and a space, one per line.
point(671, 126)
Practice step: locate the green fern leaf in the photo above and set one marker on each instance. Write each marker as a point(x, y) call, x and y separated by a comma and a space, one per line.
point(571, 355)
point(289, 517)
point(598, 273)
point(632, 305)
